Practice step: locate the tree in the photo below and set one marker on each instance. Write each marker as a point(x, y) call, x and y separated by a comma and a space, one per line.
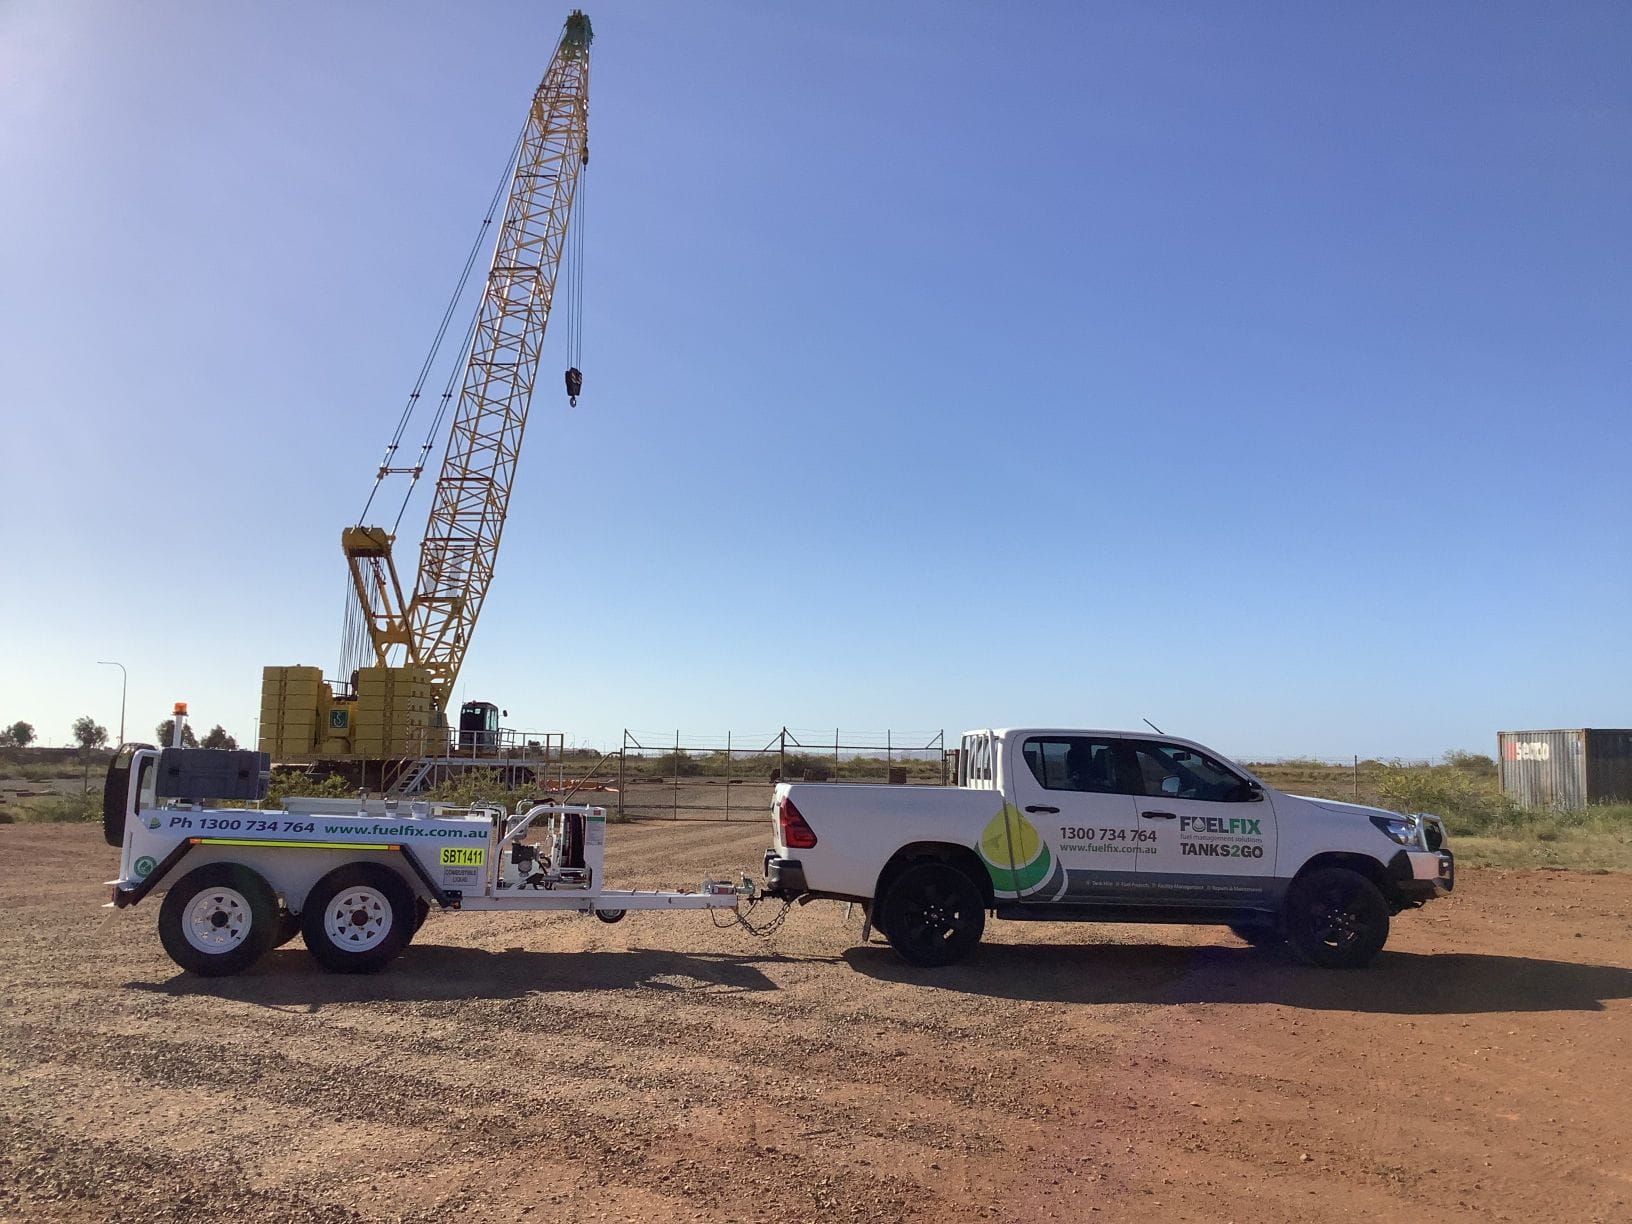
point(165, 732)
point(90, 733)
point(217, 738)
point(19, 735)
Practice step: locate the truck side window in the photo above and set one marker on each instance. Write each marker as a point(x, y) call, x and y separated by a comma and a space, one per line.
point(1170, 771)
point(1075, 764)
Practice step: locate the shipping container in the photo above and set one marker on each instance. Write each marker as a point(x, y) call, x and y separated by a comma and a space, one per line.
point(1565, 769)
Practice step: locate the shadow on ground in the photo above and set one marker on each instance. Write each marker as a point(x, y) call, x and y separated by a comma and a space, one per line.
point(1403, 983)
point(289, 977)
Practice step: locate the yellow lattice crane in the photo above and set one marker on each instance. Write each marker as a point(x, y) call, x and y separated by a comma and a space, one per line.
point(404, 654)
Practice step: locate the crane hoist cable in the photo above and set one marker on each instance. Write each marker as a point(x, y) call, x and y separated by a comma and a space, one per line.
point(386, 469)
point(574, 304)
point(356, 643)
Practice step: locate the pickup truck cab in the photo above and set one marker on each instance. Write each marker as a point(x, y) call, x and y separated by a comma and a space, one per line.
point(1105, 826)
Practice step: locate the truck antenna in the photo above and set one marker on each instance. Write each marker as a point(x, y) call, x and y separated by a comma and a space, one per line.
point(1153, 726)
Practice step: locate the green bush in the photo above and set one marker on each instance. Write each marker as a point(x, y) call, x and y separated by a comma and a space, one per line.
point(677, 765)
point(1454, 793)
point(803, 765)
point(65, 809)
point(287, 782)
point(1474, 763)
point(478, 786)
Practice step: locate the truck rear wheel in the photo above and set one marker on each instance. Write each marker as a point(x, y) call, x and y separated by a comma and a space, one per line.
point(933, 914)
point(218, 919)
point(1336, 918)
point(358, 918)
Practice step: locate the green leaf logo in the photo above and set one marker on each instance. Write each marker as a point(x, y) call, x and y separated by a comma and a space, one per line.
point(1014, 853)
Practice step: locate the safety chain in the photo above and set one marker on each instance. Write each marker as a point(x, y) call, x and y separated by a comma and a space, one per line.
point(764, 932)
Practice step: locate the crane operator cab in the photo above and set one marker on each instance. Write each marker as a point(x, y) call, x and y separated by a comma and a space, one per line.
point(478, 725)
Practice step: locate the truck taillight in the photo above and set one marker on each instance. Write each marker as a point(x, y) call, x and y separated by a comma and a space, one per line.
point(796, 834)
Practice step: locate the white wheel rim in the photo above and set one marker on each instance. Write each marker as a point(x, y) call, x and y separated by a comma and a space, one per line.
point(217, 920)
point(357, 919)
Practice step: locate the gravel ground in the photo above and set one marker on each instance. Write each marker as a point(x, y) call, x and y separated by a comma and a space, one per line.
point(539, 1068)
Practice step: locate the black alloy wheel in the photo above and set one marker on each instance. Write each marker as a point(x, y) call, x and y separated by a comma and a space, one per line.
point(1336, 918)
point(933, 914)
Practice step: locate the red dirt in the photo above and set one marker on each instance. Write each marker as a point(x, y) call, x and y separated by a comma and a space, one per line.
point(544, 1068)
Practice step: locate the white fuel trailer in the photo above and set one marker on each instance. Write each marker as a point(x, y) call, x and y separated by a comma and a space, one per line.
point(354, 877)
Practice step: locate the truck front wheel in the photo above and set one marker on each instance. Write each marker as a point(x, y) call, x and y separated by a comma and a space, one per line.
point(933, 914)
point(358, 918)
point(218, 919)
point(1336, 918)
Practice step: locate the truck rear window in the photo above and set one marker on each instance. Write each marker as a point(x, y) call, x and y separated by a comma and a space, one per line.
point(1071, 763)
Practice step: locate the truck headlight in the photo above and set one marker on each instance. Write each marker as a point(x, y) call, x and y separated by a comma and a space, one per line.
point(1402, 829)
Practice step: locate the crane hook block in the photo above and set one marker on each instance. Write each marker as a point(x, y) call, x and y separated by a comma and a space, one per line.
point(575, 384)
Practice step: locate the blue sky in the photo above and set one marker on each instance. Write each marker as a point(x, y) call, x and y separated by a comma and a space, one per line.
point(1262, 370)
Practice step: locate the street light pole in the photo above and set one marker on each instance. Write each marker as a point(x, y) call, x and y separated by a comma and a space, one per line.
point(123, 679)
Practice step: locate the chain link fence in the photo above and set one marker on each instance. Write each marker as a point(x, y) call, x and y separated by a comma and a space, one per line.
point(688, 776)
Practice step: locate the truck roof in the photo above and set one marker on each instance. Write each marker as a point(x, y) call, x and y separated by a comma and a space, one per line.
point(1139, 733)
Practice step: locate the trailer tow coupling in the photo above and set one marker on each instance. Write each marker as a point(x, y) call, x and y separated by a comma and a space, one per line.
point(751, 892)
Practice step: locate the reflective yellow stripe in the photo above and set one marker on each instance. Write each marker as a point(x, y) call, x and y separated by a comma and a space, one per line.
point(292, 845)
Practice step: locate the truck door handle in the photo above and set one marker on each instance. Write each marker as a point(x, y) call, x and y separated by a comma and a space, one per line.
point(1038, 807)
point(1158, 815)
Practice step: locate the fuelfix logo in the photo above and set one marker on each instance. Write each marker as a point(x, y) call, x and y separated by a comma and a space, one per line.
point(1014, 853)
point(1240, 826)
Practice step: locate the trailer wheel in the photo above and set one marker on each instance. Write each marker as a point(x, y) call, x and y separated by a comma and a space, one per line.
point(218, 919)
point(933, 914)
point(422, 909)
point(1336, 918)
point(358, 918)
point(610, 916)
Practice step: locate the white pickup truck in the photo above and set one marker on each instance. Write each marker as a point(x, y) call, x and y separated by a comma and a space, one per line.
point(1105, 826)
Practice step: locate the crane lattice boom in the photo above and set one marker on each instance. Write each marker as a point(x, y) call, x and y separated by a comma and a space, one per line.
point(472, 496)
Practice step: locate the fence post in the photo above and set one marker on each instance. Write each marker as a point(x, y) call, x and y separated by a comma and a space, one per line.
point(623, 754)
point(676, 815)
point(728, 775)
point(1357, 778)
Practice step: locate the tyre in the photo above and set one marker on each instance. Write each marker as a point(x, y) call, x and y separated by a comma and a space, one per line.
point(1336, 918)
point(422, 909)
point(218, 919)
point(114, 798)
point(115, 793)
point(933, 914)
point(358, 918)
point(1259, 936)
point(610, 916)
